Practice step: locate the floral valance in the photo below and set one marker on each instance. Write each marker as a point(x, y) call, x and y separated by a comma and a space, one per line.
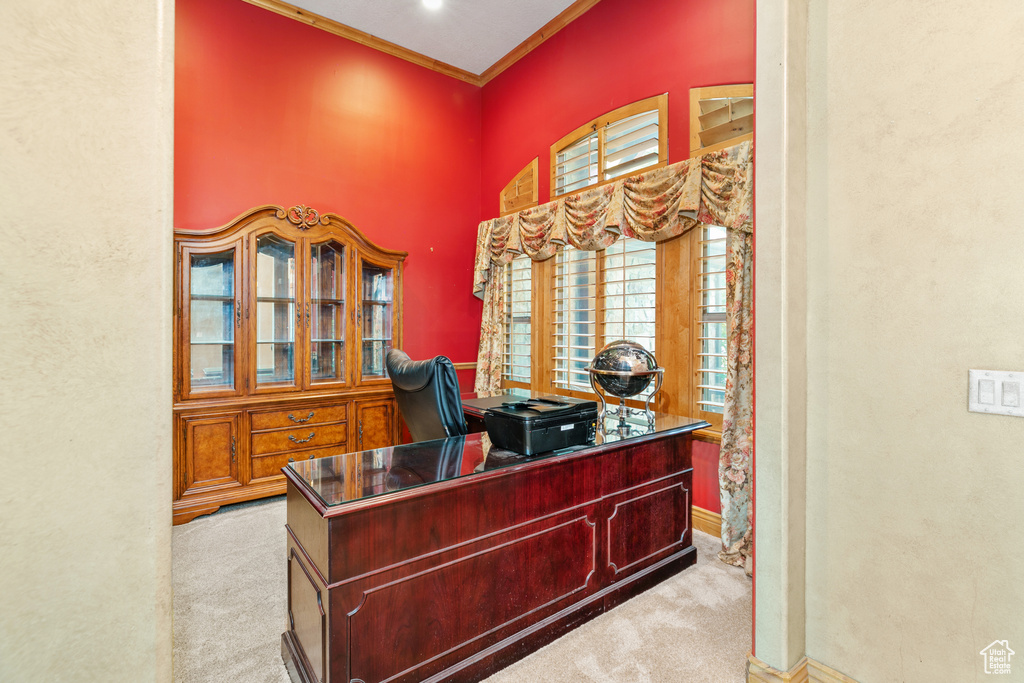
point(714, 188)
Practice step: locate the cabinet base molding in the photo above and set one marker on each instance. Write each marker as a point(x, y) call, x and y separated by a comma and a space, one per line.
point(184, 510)
point(707, 521)
point(805, 671)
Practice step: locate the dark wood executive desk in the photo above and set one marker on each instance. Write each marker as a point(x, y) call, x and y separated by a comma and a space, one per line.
point(448, 560)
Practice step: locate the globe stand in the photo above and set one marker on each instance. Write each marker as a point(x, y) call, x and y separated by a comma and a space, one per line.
point(622, 411)
point(657, 387)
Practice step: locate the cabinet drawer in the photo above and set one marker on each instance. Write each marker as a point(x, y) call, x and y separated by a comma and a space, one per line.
point(309, 436)
point(270, 465)
point(298, 417)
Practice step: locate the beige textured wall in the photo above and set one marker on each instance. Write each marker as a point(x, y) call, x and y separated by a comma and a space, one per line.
point(86, 121)
point(914, 268)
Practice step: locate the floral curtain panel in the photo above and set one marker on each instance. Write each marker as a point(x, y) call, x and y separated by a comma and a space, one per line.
point(737, 450)
point(716, 188)
point(489, 354)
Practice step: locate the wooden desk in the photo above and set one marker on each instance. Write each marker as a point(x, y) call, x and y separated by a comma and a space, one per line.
point(441, 560)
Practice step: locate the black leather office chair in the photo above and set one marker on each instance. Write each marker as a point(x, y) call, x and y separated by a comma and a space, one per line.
point(427, 392)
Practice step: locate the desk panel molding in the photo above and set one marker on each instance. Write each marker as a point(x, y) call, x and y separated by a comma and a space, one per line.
point(455, 579)
point(652, 524)
point(569, 550)
point(310, 607)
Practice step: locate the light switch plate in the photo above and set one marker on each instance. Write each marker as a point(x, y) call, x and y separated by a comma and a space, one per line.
point(995, 391)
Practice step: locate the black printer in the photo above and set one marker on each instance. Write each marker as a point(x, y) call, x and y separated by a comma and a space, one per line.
point(541, 424)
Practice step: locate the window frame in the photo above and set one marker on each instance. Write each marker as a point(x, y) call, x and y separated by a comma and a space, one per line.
point(507, 273)
point(553, 329)
point(675, 322)
point(521, 192)
point(599, 126)
point(739, 91)
point(695, 237)
point(677, 288)
point(600, 323)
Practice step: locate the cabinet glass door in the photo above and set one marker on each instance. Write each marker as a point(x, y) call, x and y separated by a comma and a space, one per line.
point(275, 310)
point(212, 317)
point(377, 311)
point(327, 300)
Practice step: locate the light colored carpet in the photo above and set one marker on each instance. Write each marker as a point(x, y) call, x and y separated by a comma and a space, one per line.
point(229, 575)
point(229, 613)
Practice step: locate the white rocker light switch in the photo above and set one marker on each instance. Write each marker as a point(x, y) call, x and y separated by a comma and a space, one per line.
point(996, 392)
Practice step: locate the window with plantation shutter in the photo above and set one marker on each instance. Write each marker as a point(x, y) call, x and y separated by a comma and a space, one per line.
point(600, 297)
point(577, 166)
point(710, 319)
point(670, 297)
point(631, 145)
point(720, 116)
point(521, 191)
point(518, 299)
point(629, 291)
point(574, 322)
point(622, 142)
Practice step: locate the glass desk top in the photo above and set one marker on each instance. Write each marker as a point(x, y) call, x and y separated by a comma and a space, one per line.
point(347, 477)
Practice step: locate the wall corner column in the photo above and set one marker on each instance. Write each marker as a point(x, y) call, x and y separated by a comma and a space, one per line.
point(780, 299)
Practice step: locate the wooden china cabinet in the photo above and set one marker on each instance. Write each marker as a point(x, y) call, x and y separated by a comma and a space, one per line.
point(282, 319)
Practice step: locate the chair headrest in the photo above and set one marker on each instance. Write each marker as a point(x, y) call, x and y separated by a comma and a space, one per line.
point(411, 375)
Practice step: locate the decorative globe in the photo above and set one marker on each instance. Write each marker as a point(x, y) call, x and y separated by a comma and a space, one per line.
point(624, 356)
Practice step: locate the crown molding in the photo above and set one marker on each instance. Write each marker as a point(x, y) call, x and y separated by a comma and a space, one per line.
point(567, 16)
point(363, 38)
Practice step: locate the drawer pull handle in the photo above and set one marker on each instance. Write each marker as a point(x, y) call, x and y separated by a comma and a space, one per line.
point(300, 420)
point(308, 438)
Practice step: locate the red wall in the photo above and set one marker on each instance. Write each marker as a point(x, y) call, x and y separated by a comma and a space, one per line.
point(271, 111)
point(619, 52)
point(611, 56)
point(705, 476)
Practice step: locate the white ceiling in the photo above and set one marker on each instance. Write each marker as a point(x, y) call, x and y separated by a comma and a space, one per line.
point(468, 34)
